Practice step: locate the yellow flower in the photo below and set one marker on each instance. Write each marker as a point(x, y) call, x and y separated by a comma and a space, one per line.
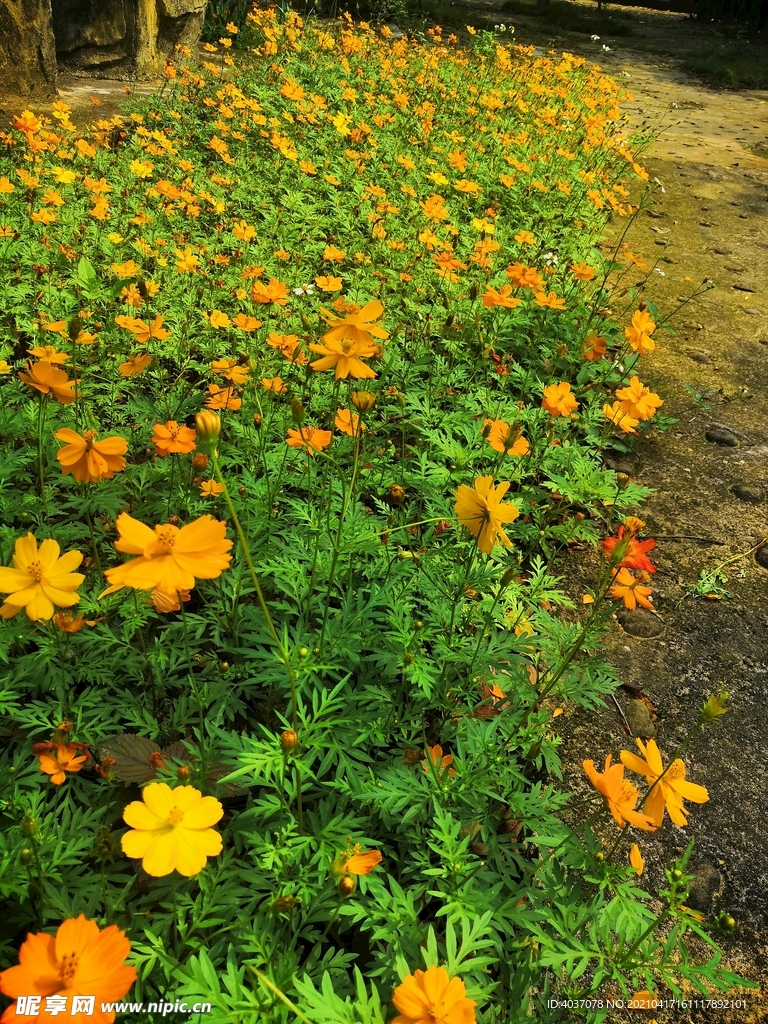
point(40, 579)
point(433, 997)
point(211, 488)
point(503, 437)
point(673, 788)
point(49, 379)
point(169, 557)
point(171, 830)
point(348, 422)
point(636, 858)
point(480, 509)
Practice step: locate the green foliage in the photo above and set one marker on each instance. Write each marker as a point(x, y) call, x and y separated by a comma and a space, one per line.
point(367, 672)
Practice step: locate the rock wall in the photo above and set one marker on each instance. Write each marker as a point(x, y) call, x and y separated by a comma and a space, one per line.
point(111, 38)
point(27, 53)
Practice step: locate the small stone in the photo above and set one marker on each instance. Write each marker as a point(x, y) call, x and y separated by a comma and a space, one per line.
point(761, 556)
point(639, 718)
point(736, 270)
point(722, 252)
point(698, 356)
point(742, 288)
point(656, 215)
point(751, 311)
point(640, 622)
point(723, 436)
point(704, 887)
point(705, 224)
point(752, 493)
point(621, 463)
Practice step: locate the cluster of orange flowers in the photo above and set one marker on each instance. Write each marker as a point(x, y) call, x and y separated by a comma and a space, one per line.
point(626, 551)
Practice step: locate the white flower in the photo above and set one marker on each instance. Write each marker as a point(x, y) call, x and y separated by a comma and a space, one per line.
point(659, 272)
point(606, 48)
point(595, 39)
point(304, 289)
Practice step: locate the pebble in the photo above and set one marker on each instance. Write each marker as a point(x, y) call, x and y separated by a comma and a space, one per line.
point(751, 311)
point(761, 556)
point(743, 288)
point(752, 493)
point(639, 718)
point(698, 356)
point(640, 622)
point(723, 436)
point(621, 463)
point(722, 252)
point(705, 224)
point(704, 887)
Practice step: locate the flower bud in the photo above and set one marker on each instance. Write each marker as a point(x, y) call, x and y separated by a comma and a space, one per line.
point(726, 923)
point(346, 886)
point(200, 461)
point(363, 400)
point(25, 856)
point(676, 875)
point(621, 550)
point(715, 707)
point(474, 291)
point(208, 426)
point(258, 419)
point(303, 652)
point(297, 410)
point(283, 904)
point(395, 495)
point(29, 825)
point(183, 773)
point(289, 740)
point(74, 327)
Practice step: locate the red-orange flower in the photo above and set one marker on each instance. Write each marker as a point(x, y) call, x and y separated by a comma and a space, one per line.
point(435, 761)
point(636, 556)
point(79, 961)
point(64, 759)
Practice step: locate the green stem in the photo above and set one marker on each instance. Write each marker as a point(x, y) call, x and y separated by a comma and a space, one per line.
point(276, 991)
point(196, 692)
point(41, 411)
point(284, 655)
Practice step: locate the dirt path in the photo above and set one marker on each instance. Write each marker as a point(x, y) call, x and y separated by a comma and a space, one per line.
point(711, 222)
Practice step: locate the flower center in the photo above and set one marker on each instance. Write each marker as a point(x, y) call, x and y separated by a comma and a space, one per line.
point(35, 570)
point(68, 969)
point(347, 345)
point(676, 771)
point(166, 536)
point(174, 432)
point(175, 817)
point(90, 437)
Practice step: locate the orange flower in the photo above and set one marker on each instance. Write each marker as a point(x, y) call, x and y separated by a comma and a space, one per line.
point(620, 418)
point(169, 557)
point(90, 460)
point(480, 509)
point(582, 272)
point(667, 792)
point(433, 997)
point(348, 422)
point(69, 623)
point(274, 384)
point(636, 858)
point(49, 352)
point(503, 437)
point(631, 589)
point(639, 332)
point(58, 764)
point(246, 323)
point(620, 795)
point(231, 369)
point(78, 961)
point(639, 401)
point(311, 438)
point(218, 319)
point(222, 398)
point(436, 762)
point(345, 356)
point(594, 347)
point(502, 297)
point(329, 284)
point(211, 488)
point(170, 438)
point(525, 277)
point(559, 400)
point(144, 331)
point(356, 862)
point(49, 379)
point(275, 291)
point(549, 301)
point(136, 364)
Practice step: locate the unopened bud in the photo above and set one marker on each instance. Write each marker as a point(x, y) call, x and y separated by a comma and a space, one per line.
point(303, 652)
point(289, 740)
point(395, 495)
point(474, 291)
point(74, 327)
point(208, 426)
point(174, 520)
point(25, 856)
point(715, 707)
point(727, 923)
point(676, 875)
point(297, 410)
point(283, 904)
point(29, 825)
point(346, 886)
point(363, 400)
point(183, 773)
point(623, 480)
point(200, 461)
point(258, 419)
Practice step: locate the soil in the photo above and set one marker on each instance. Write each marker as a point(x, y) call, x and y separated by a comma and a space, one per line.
point(709, 470)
